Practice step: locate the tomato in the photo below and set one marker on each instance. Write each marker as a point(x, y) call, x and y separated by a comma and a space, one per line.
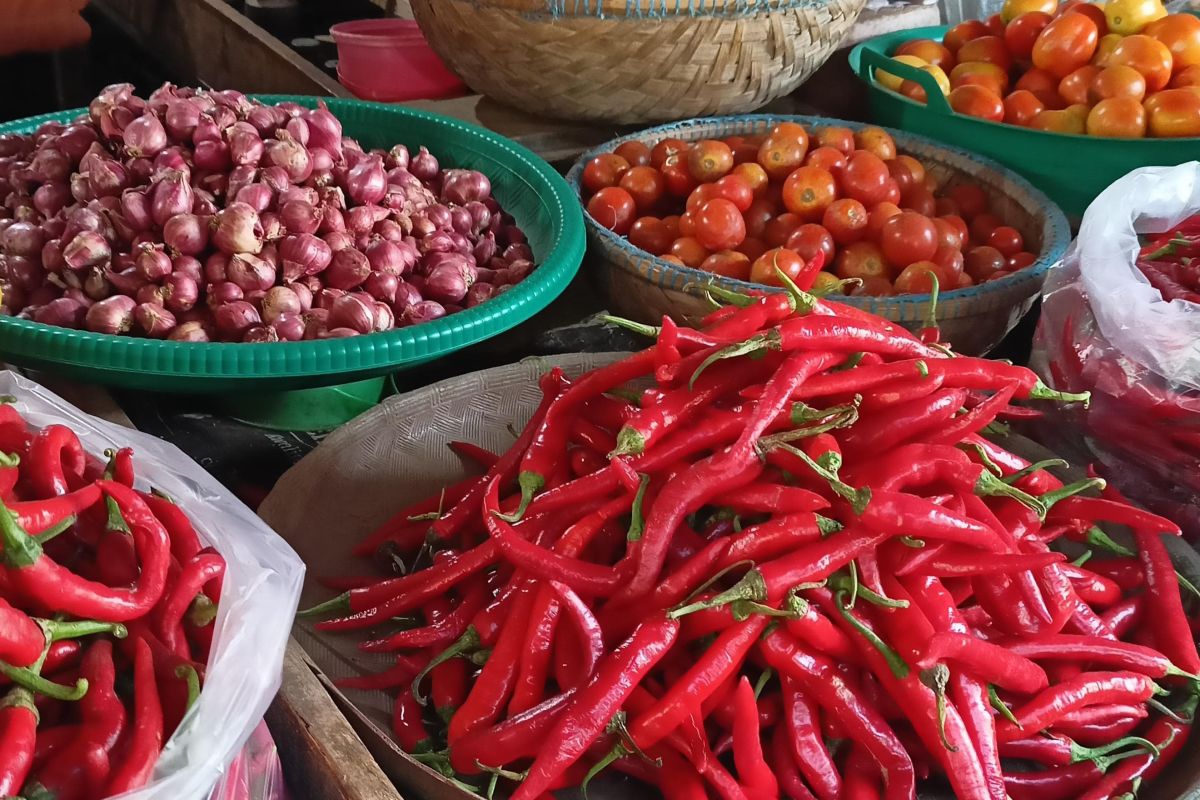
point(837, 137)
point(687, 224)
point(908, 237)
point(995, 24)
point(960, 224)
point(1023, 31)
point(701, 195)
point(645, 184)
point(1037, 80)
point(861, 260)
point(1093, 12)
point(1181, 34)
point(915, 91)
point(964, 32)
point(602, 171)
point(671, 224)
point(949, 261)
point(878, 215)
point(719, 225)
point(1119, 80)
point(826, 283)
point(758, 215)
point(1104, 49)
point(920, 200)
point(780, 228)
point(873, 287)
point(613, 208)
point(808, 191)
point(827, 158)
point(671, 258)
point(809, 239)
point(1174, 112)
point(865, 178)
point(927, 50)
point(948, 234)
point(709, 160)
point(1021, 106)
point(744, 150)
point(1074, 87)
point(914, 166)
point(875, 140)
point(990, 49)
point(678, 179)
point(976, 101)
point(983, 225)
point(688, 250)
point(636, 153)
point(902, 174)
point(945, 207)
point(890, 80)
point(752, 248)
point(1148, 56)
point(971, 198)
point(753, 174)
point(1020, 261)
point(780, 156)
point(1128, 17)
point(1072, 119)
point(983, 262)
point(1188, 76)
point(964, 280)
point(729, 263)
point(766, 268)
point(846, 220)
point(917, 278)
point(1007, 239)
point(1015, 9)
point(1066, 44)
point(668, 147)
point(736, 190)
point(1117, 118)
point(651, 235)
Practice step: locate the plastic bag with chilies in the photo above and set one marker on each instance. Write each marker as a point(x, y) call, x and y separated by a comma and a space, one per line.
point(256, 773)
point(263, 576)
point(1106, 330)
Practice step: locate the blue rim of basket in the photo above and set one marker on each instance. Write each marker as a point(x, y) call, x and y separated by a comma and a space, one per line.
point(1055, 239)
point(374, 352)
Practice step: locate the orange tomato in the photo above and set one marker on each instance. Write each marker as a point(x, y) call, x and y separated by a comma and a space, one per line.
point(915, 168)
point(689, 251)
point(709, 160)
point(877, 141)
point(1072, 119)
point(1117, 118)
point(729, 263)
point(917, 278)
point(1119, 80)
point(766, 268)
point(1174, 113)
point(1181, 34)
point(928, 51)
point(861, 260)
point(1095, 13)
point(1014, 9)
point(979, 73)
point(878, 215)
point(1074, 87)
point(1188, 76)
point(976, 101)
point(915, 91)
point(1021, 107)
point(808, 191)
point(964, 32)
point(792, 130)
point(837, 137)
point(1148, 56)
point(754, 176)
point(991, 49)
point(1023, 31)
point(1104, 48)
point(779, 156)
point(1037, 80)
point(1066, 44)
point(826, 158)
point(635, 152)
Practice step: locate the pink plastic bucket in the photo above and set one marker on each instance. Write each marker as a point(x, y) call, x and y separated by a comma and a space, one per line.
point(388, 60)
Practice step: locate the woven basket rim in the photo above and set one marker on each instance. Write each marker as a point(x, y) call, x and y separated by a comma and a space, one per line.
point(1056, 231)
point(653, 10)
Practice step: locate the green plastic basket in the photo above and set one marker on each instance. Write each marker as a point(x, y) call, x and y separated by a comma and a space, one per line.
point(1071, 169)
point(528, 188)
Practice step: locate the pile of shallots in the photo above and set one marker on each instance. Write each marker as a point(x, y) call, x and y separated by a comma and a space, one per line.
point(202, 216)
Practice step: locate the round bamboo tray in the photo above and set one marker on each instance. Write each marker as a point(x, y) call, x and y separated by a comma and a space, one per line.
point(631, 61)
point(974, 320)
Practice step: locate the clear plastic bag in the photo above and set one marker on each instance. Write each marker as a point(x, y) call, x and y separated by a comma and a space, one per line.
point(1106, 330)
point(256, 773)
point(262, 587)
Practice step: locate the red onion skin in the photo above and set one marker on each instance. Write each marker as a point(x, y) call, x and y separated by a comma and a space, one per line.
point(218, 294)
point(332, 220)
point(300, 217)
point(172, 195)
point(87, 249)
point(112, 315)
point(256, 195)
point(389, 257)
point(78, 296)
point(233, 319)
point(309, 253)
point(154, 320)
point(50, 164)
point(397, 158)
point(75, 141)
point(297, 128)
point(300, 194)
point(277, 301)
point(216, 268)
point(325, 298)
point(479, 293)
point(152, 293)
point(240, 177)
point(145, 136)
point(22, 239)
point(322, 165)
point(366, 182)
point(339, 333)
point(519, 269)
point(304, 295)
point(276, 177)
point(153, 264)
point(127, 282)
point(462, 186)
point(181, 118)
point(385, 319)
point(315, 322)
point(382, 286)
point(23, 272)
point(446, 284)
point(15, 299)
point(246, 147)
point(289, 327)
point(107, 178)
point(52, 258)
point(460, 220)
point(406, 295)
point(236, 229)
point(64, 312)
point(359, 220)
point(390, 230)
point(187, 266)
point(135, 208)
point(264, 119)
point(186, 234)
point(485, 249)
point(424, 311)
point(424, 165)
point(324, 130)
point(284, 151)
point(50, 198)
point(481, 216)
point(347, 269)
point(182, 292)
point(223, 116)
point(260, 334)
point(190, 332)
point(250, 272)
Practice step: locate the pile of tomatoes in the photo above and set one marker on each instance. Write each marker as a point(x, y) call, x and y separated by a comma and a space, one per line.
point(1126, 69)
point(796, 201)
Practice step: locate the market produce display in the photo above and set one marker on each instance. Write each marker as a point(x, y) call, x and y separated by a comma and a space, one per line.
point(1123, 69)
point(778, 555)
point(198, 215)
point(108, 600)
point(835, 210)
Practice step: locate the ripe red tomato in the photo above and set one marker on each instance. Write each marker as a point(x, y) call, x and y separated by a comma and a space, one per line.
point(1021, 260)
point(873, 287)
point(964, 32)
point(614, 208)
point(671, 258)
point(603, 171)
point(995, 25)
point(709, 160)
point(1066, 44)
point(754, 175)
point(846, 220)
point(861, 260)
point(791, 130)
point(689, 251)
point(946, 207)
point(865, 178)
point(880, 214)
point(752, 248)
point(949, 261)
point(779, 229)
point(891, 192)
point(671, 224)
point(687, 224)
point(808, 191)
point(903, 175)
point(729, 263)
point(809, 239)
point(982, 227)
point(1021, 106)
point(908, 237)
point(701, 195)
point(928, 50)
point(876, 140)
point(743, 149)
point(917, 278)
point(758, 216)
point(1119, 80)
point(779, 156)
point(719, 225)
point(678, 180)
point(990, 49)
point(1174, 112)
point(983, 262)
point(920, 200)
point(665, 148)
point(1074, 87)
point(948, 233)
point(645, 184)
point(636, 153)
point(1148, 56)
point(652, 235)
point(837, 137)
point(959, 224)
point(1023, 31)
point(977, 101)
point(736, 190)
point(972, 200)
point(1007, 240)
point(827, 158)
point(764, 269)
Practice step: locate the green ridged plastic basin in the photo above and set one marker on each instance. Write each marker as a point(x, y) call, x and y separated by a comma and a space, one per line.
point(1070, 168)
point(527, 187)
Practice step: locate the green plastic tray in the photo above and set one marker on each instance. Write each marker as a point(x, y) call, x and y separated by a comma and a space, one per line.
point(1071, 169)
point(528, 188)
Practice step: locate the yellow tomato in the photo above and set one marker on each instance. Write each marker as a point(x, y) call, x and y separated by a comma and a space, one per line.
point(1015, 8)
point(893, 82)
point(1108, 43)
point(1127, 17)
point(913, 89)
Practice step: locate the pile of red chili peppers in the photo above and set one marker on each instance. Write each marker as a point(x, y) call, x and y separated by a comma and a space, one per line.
point(107, 603)
point(795, 566)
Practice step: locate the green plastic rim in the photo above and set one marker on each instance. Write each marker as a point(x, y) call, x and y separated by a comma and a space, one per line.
point(544, 207)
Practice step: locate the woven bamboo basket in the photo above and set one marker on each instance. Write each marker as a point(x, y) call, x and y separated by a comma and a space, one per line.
point(633, 61)
point(974, 320)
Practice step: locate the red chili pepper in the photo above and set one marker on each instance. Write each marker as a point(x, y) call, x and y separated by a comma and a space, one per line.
point(1093, 589)
point(771, 539)
point(515, 738)
point(771, 498)
point(407, 725)
point(894, 393)
point(38, 516)
point(448, 687)
point(882, 432)
point(1086, 689)
point(473, 453)
point(587, 434)
point(1122, 617)
point(18, 735)
point(591, 636)
point(1167, 618)
point(975, 420)
point(806, 747)
point(1096, 651)
point(990, 662)
point(950, 563)
point(441, 631)
point(407, 532)
point(534, 667)
point(146, 739)
point(784, 765)
point(748, 757)
point(1168, 735)
point(400, 673)
point(585, 461)
point(56, 462)
point(1127, 573)
point(204, 568)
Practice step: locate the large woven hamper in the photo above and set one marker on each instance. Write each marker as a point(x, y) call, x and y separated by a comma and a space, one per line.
point(974, 320)
point(629, 61)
